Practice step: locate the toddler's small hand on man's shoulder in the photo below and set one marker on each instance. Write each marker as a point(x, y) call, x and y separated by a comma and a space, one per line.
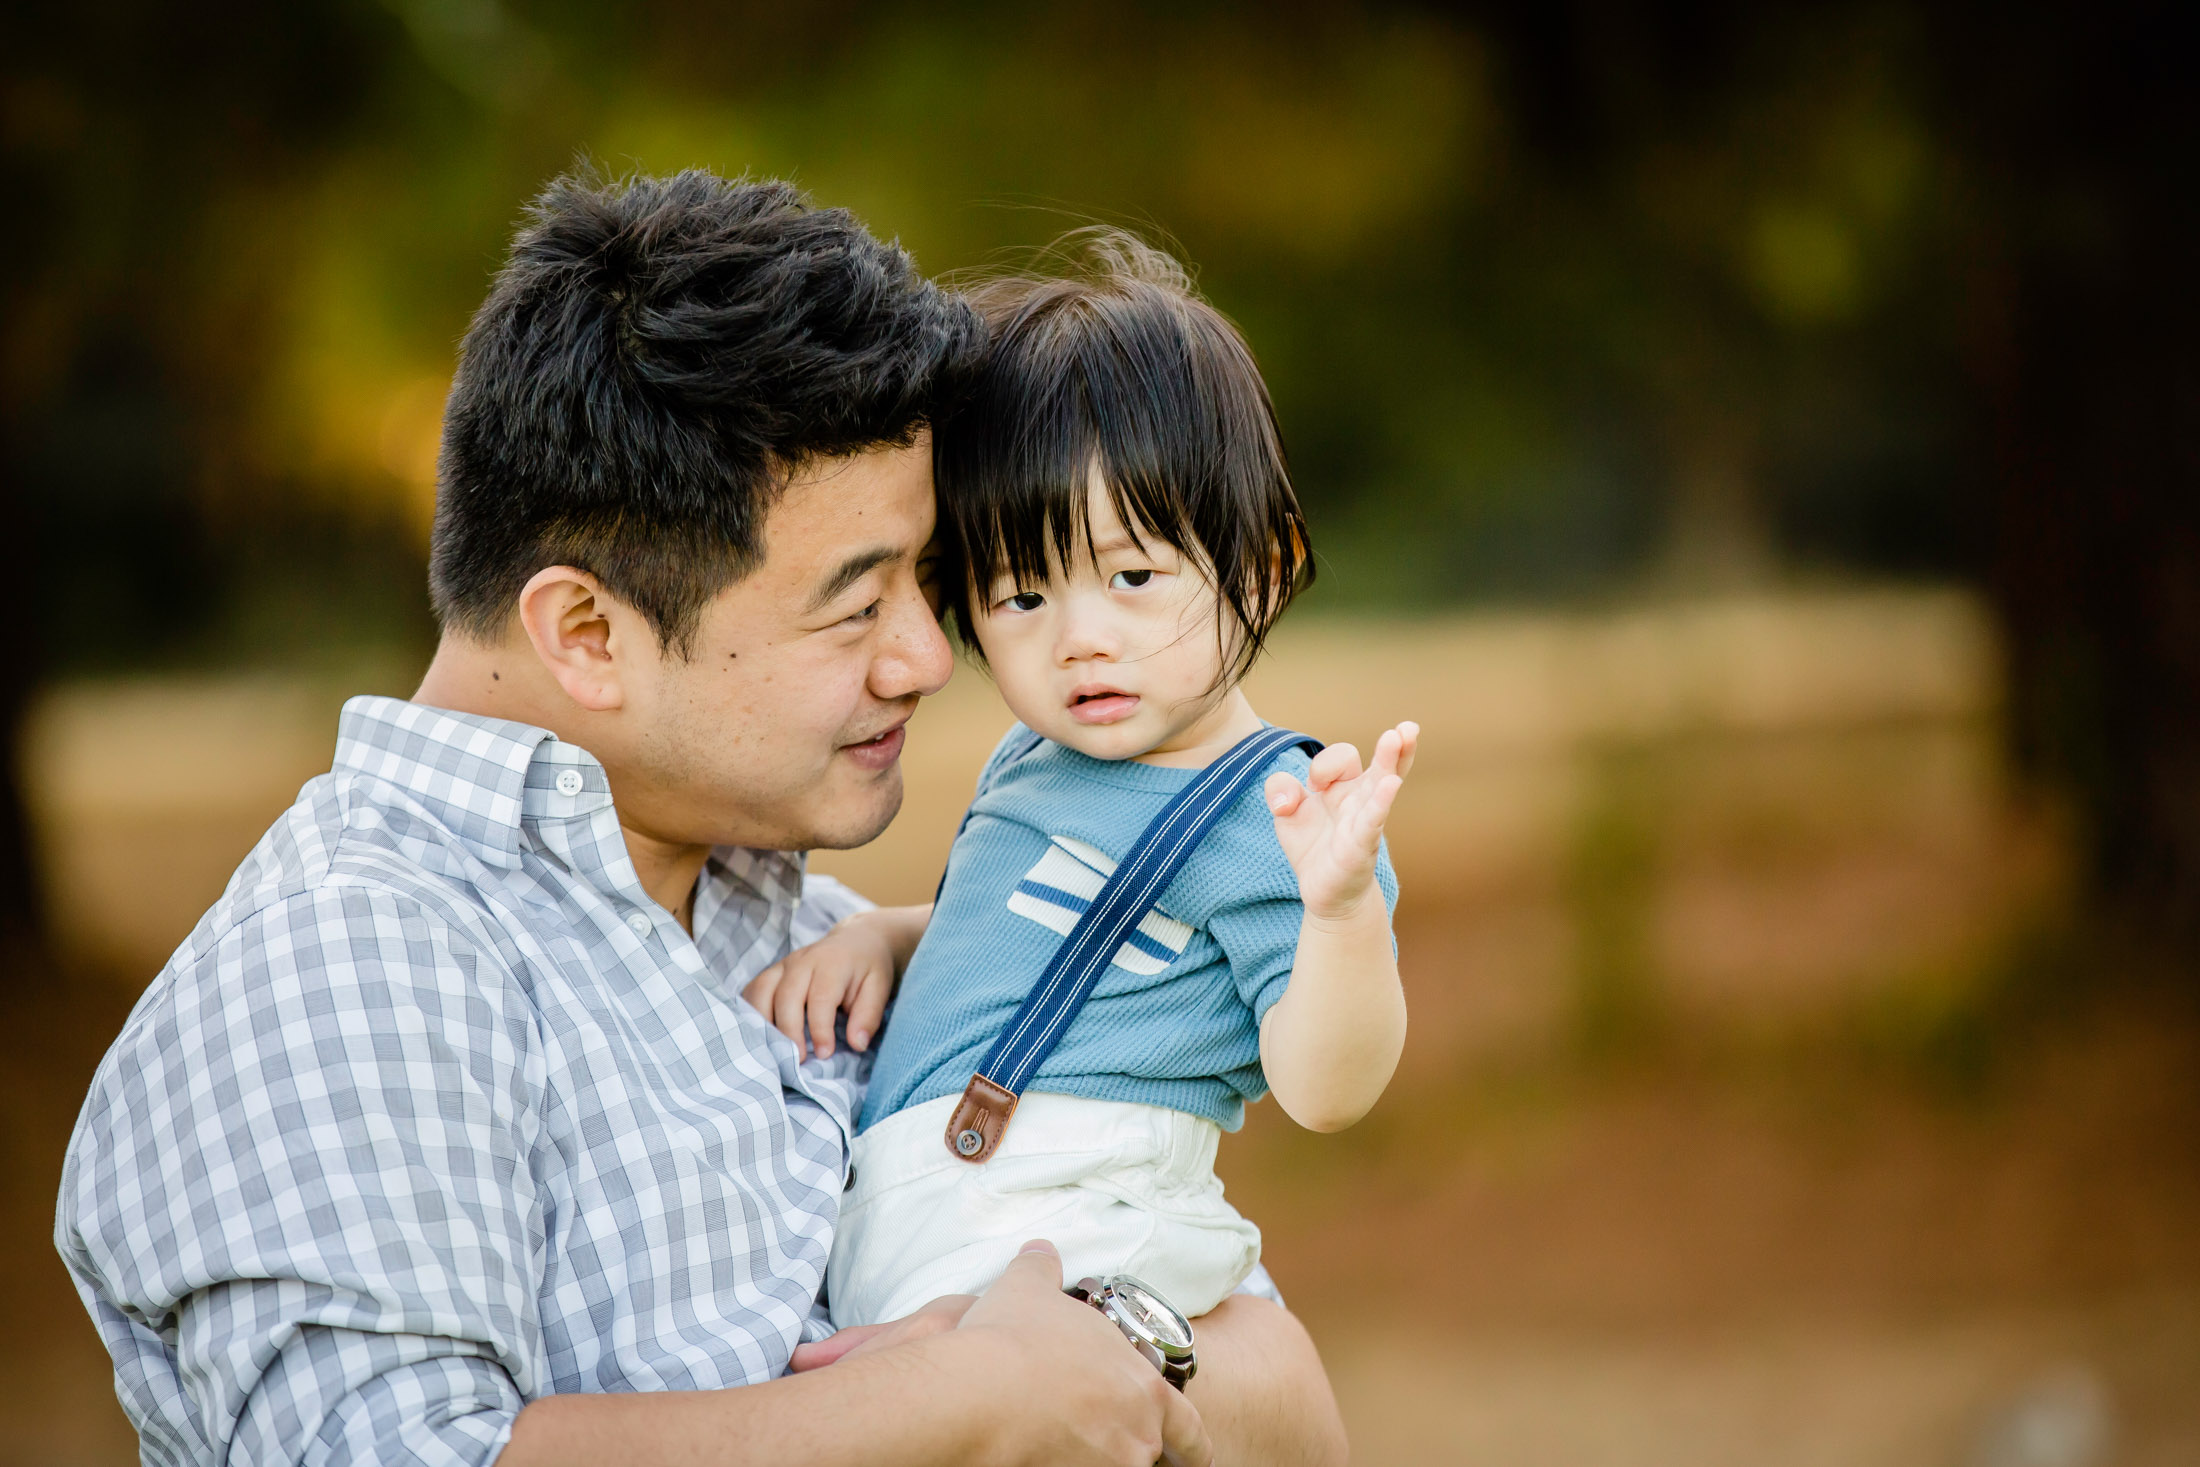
point(851, 968)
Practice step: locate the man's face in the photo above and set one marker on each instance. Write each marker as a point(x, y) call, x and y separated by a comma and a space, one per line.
point(784, 730)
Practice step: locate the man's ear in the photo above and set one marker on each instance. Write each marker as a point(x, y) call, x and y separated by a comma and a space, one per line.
point(586, 637)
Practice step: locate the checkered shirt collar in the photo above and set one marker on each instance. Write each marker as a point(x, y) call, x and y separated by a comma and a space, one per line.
point(491, 782)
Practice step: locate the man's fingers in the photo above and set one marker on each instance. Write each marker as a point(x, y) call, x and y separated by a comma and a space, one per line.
point(1284, 793)
point(1338, 761)
point(1183, 1435)
point(868, 1008)
point(1036, 1268)
point(834, 1347)
point(935, 1318)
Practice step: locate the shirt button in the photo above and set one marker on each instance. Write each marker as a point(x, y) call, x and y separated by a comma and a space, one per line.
point(640, 922)
point(569, 782)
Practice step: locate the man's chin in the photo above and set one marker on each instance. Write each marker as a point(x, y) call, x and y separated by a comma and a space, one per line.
point(860, 816)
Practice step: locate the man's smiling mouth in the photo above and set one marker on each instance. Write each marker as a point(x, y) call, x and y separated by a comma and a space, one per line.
point(880, 750)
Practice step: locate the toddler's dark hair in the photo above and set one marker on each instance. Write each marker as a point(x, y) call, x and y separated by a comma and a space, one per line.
point(1118, 362)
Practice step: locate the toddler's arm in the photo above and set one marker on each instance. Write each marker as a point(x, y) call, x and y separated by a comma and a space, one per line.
point(1331, 1042)
point(852, 967)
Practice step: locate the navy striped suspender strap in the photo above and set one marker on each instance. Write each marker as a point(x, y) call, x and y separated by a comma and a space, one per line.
point(974, 1131)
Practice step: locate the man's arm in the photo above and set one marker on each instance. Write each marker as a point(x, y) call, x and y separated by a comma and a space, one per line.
point(1262, 1391)
point(1028, 1378)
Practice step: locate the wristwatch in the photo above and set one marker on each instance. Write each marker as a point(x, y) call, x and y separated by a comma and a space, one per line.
point(1147, 1320)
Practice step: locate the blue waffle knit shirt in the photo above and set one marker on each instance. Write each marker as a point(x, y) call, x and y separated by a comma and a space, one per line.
point(1175, 1019)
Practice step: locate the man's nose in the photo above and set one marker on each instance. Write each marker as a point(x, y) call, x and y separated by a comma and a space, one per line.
point(914, 659)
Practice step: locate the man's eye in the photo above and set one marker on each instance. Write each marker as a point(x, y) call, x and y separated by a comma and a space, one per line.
point(868, 613)
point(1027, 601)
point(1129, 580)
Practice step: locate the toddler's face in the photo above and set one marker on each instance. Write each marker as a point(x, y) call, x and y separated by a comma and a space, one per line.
point(1114, 655)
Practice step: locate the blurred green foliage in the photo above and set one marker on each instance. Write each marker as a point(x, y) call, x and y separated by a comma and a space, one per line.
point(1693, 325)
point(1569, 299)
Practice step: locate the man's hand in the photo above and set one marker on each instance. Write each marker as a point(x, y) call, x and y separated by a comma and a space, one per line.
point(1104, 1402)
point(1330, 826)
point(1088, 1398)
point(935, 1318)
point(853, 968)
point(1024, 1376)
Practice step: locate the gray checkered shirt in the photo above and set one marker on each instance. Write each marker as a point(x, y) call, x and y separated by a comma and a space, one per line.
point(437, 1112)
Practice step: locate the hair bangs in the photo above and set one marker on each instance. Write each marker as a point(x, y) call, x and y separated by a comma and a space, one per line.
point(1124, 372)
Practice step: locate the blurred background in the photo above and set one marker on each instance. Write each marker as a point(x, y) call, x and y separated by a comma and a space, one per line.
point(1760, 444)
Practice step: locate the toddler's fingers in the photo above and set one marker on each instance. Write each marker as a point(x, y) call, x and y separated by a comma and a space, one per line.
point(1409, 743)
point(1377, 809)
point(1386, 752)
point(824, 1007)
point(867, 1009)
point(790, 1006)
point(1338, 761)
point(761, 987)
point(1284, 793)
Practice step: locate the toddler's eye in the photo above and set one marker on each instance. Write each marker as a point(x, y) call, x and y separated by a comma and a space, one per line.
point(1027, 601)
point(1130, 580)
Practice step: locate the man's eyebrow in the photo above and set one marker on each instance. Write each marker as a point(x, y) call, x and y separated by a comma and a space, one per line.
point(850, 571)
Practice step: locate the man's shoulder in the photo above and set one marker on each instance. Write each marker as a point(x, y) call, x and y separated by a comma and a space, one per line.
point(327, 915)
point(334, 853)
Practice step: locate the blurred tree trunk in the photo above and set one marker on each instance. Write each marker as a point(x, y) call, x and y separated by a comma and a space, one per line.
point(2087, 347)
point(21, 911)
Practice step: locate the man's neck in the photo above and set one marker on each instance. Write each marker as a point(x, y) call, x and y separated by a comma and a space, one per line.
point(504, 680)
point(668, 871)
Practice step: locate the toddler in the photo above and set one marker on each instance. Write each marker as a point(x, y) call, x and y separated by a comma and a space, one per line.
point(1120, 533)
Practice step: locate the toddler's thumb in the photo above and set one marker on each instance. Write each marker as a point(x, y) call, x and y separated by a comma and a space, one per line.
point(1284, 793)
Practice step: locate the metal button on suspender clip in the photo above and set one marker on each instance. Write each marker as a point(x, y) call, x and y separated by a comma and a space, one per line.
point(974, 1130)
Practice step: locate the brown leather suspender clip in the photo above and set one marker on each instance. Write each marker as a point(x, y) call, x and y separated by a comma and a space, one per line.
point(974, 1131)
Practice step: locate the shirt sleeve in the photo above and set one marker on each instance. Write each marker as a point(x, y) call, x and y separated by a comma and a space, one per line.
point(306, 1163)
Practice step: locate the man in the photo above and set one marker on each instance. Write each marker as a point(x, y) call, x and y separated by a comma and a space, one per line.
point(446, 1136)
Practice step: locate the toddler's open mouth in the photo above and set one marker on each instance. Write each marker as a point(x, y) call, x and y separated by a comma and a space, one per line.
point(1096, 703)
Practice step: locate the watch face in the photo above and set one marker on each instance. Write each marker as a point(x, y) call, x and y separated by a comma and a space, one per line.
point(1152, 1314)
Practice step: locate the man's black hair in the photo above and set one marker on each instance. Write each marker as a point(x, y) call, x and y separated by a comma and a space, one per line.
point(1118, 364)
point(654, 358)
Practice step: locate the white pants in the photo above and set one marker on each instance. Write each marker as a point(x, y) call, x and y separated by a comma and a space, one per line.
point(1117, 1187)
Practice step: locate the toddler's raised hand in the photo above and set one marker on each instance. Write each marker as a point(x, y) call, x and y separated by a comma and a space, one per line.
point(1331, 825)
point(851, 967)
